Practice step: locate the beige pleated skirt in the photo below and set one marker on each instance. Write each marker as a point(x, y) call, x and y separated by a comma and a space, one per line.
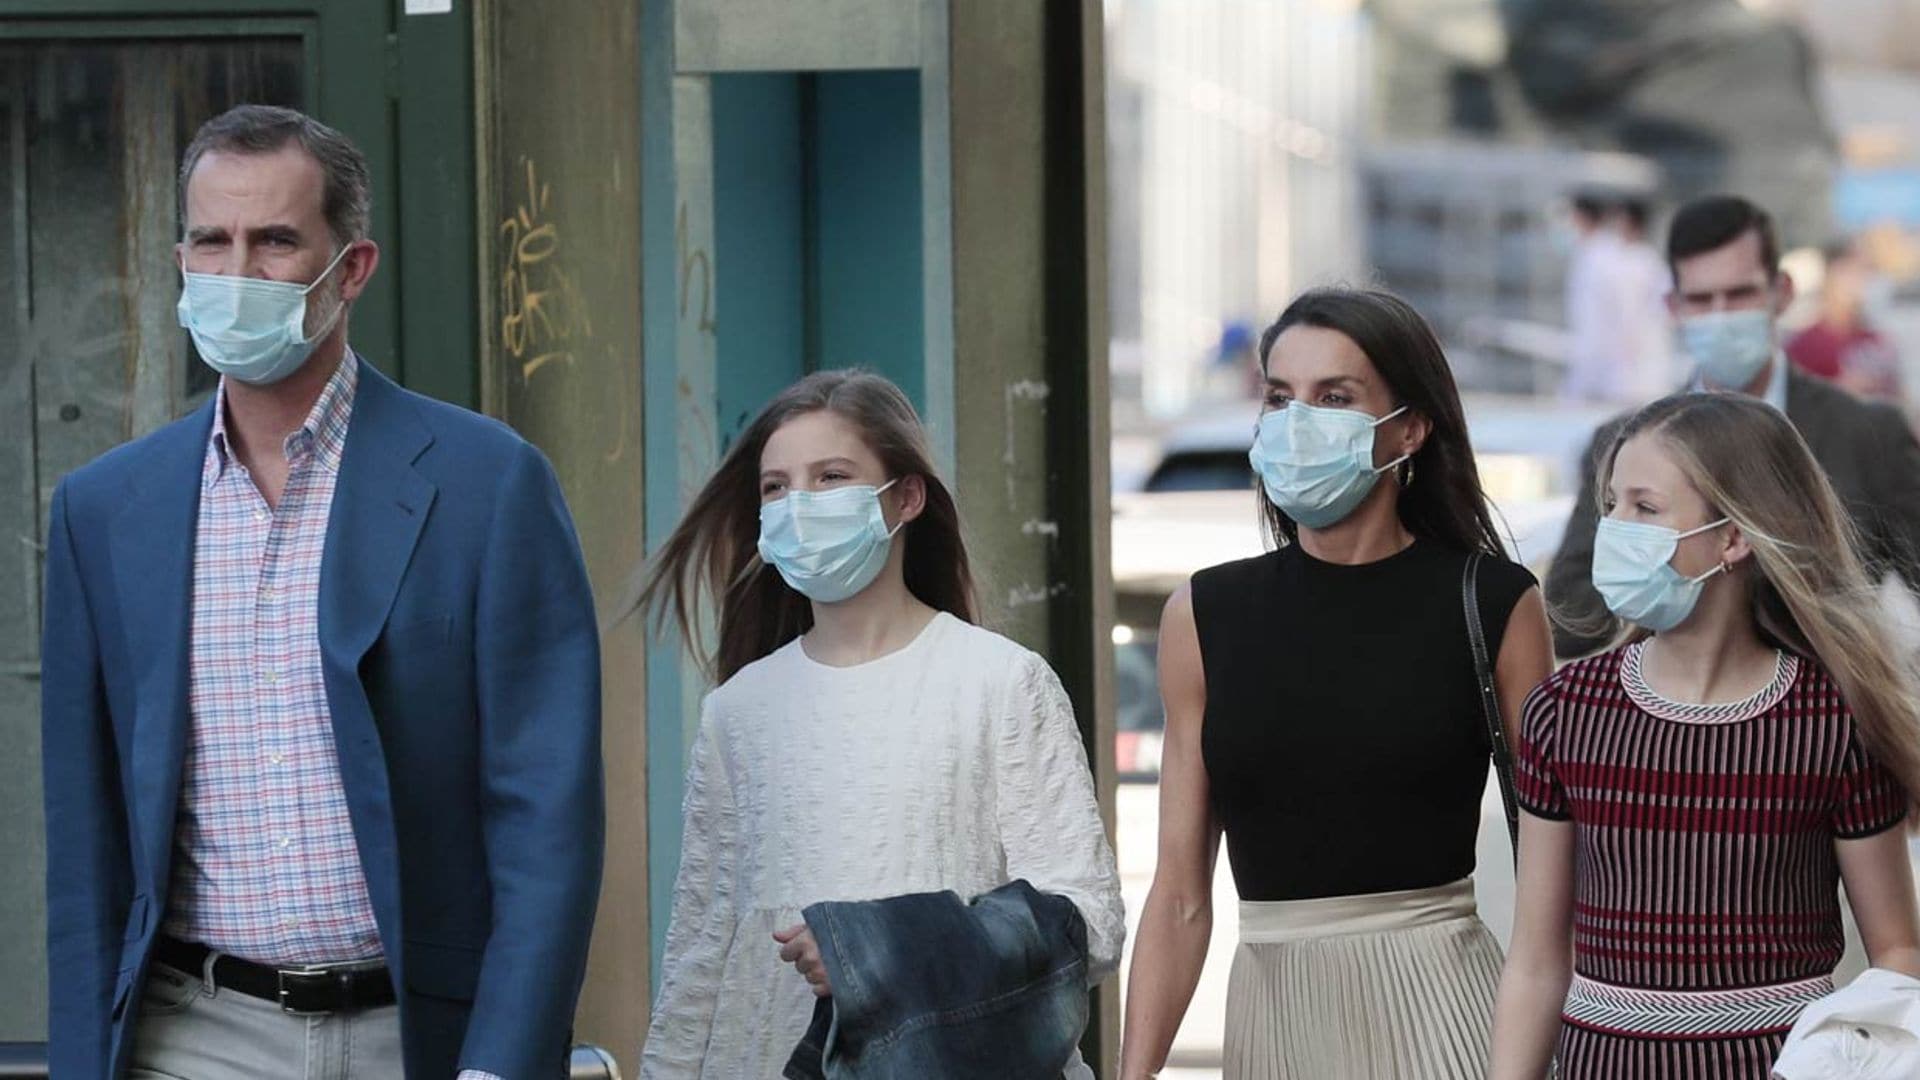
point(1386, 986)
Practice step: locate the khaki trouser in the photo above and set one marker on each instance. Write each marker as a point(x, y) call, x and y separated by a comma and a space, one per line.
point(190, 1030)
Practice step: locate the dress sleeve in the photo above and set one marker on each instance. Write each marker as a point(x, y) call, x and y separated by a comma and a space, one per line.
point(1869, 799)
point(1502, 584)
point(1536, 785)
point(700, 931)
point(1047, 815)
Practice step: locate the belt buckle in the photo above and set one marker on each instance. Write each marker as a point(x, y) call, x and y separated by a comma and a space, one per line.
point(310, 971)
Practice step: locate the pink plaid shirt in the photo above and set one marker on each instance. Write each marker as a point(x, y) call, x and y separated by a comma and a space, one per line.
point(265, 863)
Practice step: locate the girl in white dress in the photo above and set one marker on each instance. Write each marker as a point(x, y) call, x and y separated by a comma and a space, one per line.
point(867, 740)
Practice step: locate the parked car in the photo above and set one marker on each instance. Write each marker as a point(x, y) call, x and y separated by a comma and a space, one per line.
point(1195, 506)
point(1138, 719)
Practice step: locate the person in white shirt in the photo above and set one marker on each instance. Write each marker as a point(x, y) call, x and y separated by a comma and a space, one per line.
point(867, 740)
point(1619, 338)
point(1648, 368)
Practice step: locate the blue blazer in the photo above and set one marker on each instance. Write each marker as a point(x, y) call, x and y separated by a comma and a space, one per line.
point(461, 664)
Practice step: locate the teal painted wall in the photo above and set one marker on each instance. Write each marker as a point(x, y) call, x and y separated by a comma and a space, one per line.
point(666, 742)
point(760, 242)
point(868, 257)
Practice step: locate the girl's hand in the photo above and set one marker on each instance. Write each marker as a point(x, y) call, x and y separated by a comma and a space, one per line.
point(798, 948)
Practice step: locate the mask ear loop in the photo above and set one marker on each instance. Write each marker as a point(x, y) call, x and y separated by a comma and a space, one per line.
point(339, 308)
point(311, 285)
point(1403, 457)
point(1721, 568)
point(877, 492)
point(1709, 526)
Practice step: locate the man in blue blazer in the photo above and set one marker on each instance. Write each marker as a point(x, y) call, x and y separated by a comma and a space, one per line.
point(321, 689)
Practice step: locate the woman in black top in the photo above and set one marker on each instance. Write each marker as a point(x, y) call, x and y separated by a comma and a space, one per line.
point(1323, 711)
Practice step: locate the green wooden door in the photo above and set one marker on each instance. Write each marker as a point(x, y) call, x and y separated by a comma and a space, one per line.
point(97, 102)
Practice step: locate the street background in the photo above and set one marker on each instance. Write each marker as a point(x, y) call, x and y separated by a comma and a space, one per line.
point(1481, 159)
point(621, 227)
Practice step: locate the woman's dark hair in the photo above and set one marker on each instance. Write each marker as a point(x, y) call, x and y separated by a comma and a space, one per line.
point(713, 553)
point(1444, 502)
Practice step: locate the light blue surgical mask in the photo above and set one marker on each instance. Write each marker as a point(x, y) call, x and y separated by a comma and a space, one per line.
point(828, 545)
point(1633, 571)
point(1728, 348)
point(252, 329)
point(1317, 464)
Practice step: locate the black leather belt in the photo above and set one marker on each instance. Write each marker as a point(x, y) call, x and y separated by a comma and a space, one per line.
point(302, 991)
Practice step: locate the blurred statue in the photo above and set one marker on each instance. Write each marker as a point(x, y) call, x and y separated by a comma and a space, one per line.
point(1720, 96)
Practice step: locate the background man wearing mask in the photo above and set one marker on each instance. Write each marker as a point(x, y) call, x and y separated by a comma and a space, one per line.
point(320, 703)
point(1728, 293)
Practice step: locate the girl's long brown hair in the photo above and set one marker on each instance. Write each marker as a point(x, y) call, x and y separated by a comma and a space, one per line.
point(1812, 593)
point(713, 555)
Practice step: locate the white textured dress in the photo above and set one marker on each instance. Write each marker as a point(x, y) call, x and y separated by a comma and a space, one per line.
point(953, 763)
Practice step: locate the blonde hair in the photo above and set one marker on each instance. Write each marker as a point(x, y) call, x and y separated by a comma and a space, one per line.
point(1812, 592)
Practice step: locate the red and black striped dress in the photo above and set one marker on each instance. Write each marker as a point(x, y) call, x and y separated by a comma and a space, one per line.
point(1704, 839)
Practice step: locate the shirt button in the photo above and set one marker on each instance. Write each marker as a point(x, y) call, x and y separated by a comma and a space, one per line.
point(269, 678)
point(286, 842)
point(260, 515)
point(276, 758)
point(288, 924)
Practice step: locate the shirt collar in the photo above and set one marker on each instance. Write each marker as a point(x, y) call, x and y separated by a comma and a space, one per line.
point(1776, 394)
point(324, 432)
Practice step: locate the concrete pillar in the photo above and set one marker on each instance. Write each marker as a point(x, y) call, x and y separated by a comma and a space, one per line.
point(559, 226)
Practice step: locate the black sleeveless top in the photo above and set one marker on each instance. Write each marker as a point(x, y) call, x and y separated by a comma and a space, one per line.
point(1344, 740)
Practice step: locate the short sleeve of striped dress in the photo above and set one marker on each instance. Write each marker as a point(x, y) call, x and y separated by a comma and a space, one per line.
point(1535, 785)
point(1869, 799)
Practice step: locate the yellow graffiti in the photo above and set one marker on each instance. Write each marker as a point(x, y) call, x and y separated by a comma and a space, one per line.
point(542, 315)
point(695, 269)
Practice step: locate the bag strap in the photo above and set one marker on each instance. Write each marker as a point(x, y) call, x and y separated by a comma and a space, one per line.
point(1489, 700)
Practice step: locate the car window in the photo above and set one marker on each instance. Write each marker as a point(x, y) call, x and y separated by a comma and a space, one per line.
point(1202, 470)
point(1136, 680)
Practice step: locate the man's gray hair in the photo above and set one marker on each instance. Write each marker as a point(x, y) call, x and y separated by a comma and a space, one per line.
point(347, 199)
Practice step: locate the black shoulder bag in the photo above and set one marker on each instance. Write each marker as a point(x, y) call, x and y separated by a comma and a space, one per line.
point(1489, 700)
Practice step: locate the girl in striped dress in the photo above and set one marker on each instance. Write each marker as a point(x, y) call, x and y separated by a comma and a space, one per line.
point(1694, 797)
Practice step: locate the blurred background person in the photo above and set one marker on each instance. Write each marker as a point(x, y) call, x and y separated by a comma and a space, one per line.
point(1619, 338)
point(1594, 345)
point(1728, 294)
point(1647, 368)
point(1843, 346)
point(1234, 375)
